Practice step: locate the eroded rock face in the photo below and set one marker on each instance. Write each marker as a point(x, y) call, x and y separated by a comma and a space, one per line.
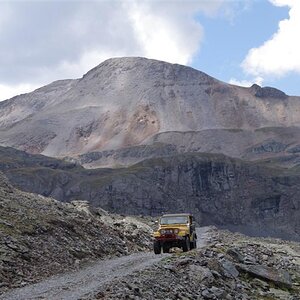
point(216, 189)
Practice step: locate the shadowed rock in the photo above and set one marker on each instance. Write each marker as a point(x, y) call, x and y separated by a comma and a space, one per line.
point(267, 92)
point(277, 276)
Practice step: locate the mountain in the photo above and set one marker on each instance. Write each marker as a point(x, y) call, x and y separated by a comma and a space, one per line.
point(218, 190)
point(178, 140)
point(168, 138)
point(129, 109)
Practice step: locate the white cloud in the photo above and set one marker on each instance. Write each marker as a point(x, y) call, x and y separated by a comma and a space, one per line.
point(279, 55)
point(9, 91)
point(5, 16)
point(246, 83)
point(171, 37)
point(43, 41)
point(283, 2)
point(86, 62)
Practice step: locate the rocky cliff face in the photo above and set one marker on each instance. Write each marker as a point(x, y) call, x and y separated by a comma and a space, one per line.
point(129, 102)
point(218, 190)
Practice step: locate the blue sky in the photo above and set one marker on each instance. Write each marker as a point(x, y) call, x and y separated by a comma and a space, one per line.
point(238, 41)
point(227, 42)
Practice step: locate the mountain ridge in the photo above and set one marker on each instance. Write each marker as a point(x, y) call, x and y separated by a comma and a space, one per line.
point(124, 102)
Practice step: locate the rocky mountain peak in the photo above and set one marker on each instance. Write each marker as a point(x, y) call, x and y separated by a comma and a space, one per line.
point(128, 101)
point(267, 92)
point(146, 69)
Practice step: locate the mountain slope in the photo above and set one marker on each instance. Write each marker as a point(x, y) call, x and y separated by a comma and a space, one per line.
point(40, 236)
point(276, 145)
point(218, 190)
point(126, 102)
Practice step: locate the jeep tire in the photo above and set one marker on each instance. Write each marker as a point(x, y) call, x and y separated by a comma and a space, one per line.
point(186, 244)
point(166, 248)
point(157, 247)
point(193, 244)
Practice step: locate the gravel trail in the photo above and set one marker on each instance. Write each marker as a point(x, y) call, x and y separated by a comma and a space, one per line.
point(75, 285)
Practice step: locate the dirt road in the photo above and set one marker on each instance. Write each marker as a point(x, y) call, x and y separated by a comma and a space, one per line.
point(77, 285)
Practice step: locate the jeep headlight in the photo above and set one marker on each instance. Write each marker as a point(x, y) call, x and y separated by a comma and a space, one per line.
point(166, 231)
point(176, 231)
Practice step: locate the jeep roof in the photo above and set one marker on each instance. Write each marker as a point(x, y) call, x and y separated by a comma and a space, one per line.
point(177, 215)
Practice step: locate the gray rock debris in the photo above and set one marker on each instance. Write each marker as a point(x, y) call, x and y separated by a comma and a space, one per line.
point(40, 236)
point(229, 269)
point(199, 274)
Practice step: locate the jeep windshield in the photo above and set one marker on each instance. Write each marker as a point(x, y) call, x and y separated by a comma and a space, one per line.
point(174, 220)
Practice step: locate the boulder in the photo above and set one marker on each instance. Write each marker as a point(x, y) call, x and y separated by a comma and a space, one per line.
point(277, 276)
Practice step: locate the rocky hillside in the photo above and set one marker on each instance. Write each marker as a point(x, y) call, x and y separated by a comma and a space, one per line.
point(218, 190)
point(276, 146)
point(131, 102)
point(225, 266)
point(40, 236)
point(231, 266)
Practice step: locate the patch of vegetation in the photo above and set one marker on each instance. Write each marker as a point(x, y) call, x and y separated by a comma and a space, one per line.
point(269, 129)
point(234, 130)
